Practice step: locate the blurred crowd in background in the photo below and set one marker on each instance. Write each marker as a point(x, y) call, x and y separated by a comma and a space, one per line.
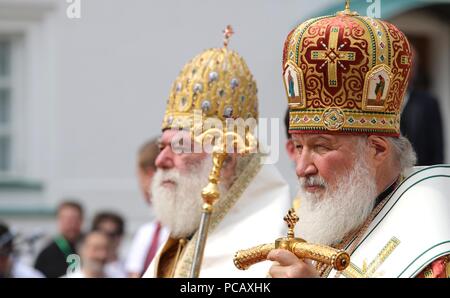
point(93, 253)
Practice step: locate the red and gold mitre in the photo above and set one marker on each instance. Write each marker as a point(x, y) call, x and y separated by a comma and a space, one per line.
point(346, 74)
point(217, 83)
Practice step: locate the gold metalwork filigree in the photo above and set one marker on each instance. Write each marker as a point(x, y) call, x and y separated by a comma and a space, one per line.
point(339, 259)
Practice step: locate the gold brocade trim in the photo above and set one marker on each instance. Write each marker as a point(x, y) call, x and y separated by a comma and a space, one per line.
point(345, 120)
point(221, 209)
point(447, 268)
point(381, 257)
point(428, 273)
point(354, 271)
point(169, 244)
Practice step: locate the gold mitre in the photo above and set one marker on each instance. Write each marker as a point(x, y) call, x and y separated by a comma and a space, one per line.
point(346, 74)
point(215, 84)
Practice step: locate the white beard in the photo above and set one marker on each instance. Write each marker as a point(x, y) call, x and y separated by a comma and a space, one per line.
point(179, 207)
point(328, 218)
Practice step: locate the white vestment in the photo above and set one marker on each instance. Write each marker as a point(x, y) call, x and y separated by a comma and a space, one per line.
point(255, 218)
point(141, 245)
point(411, 231)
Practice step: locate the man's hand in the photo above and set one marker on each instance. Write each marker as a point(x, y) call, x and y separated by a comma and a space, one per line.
point(287, 265)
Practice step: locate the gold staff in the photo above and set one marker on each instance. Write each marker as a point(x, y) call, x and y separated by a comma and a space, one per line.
point(339, 259)
point(210, 192)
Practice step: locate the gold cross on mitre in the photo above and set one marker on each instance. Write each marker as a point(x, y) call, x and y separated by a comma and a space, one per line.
point(347, 6)
point(227, 34)
point(347, 10)
point(333, 56)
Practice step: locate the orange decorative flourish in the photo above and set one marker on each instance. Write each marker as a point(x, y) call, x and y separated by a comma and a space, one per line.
point(227, 33)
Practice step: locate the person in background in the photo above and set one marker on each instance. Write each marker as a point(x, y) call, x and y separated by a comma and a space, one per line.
point(52, 260)
point(9, 265)
point(112, 225)
point(151, 235)
point(421, 120)
point(94, 254)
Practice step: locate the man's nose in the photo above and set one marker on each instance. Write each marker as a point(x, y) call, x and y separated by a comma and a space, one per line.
point(164, 160)
point(305, 166)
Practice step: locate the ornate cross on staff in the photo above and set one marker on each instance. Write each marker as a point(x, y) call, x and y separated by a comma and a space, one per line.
point(291, 219)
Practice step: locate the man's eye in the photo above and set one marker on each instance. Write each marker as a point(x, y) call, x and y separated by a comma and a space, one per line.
point(321, 148)
point(177, 148)
point(180, 148)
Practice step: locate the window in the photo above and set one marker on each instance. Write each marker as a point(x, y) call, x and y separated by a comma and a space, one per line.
point(25, 92)
point(6, 134)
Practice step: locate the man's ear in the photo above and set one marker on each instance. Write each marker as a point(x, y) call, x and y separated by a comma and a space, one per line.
point(150, 172)
point(379, 149)
point(291, 150)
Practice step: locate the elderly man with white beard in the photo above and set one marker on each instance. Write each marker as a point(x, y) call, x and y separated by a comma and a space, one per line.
point(349, 75)
point(340, 179)
point(253, 196)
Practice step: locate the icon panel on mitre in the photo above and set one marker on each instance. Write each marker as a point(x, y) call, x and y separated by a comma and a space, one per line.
point(376, 88)
point(294, 85)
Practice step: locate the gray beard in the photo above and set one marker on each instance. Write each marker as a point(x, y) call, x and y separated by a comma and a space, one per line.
point(179, 207)
point(328, 218)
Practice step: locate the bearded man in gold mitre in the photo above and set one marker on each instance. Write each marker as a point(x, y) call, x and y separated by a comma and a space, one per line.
point(216, 87)
point(359, 191)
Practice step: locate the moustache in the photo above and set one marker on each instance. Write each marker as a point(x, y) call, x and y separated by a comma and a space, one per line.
point(171, 175)
point(312, 181)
